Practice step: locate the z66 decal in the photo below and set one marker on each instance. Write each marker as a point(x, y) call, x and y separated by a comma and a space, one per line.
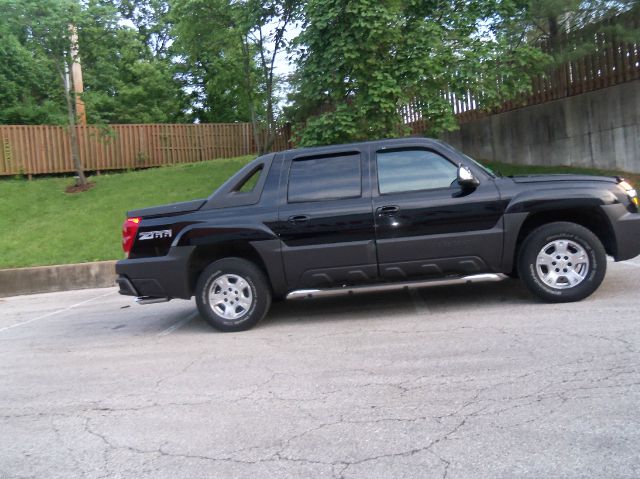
point(147, 235)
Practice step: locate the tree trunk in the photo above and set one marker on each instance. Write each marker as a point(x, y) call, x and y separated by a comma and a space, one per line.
point(271, 123)
point(73, 134)
point(555, 48)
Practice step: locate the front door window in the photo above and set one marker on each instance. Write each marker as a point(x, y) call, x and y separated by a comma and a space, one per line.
point(401, 171)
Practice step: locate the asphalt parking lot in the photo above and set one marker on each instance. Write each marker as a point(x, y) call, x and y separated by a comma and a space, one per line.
point(458, 381)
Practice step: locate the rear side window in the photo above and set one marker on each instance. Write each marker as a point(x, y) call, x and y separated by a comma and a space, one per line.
point(413, 170)
point(325, 178)
point(250, 182)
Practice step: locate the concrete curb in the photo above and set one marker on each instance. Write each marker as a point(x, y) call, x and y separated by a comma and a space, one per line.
point(46, 279)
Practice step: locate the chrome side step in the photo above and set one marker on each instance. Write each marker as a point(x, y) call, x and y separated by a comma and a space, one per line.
point(314, 293)
point(150, 300)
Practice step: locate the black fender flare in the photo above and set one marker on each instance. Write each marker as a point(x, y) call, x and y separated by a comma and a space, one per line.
point(541, 201)
point(257, 238)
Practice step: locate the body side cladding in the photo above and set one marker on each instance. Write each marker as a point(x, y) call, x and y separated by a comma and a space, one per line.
point(512, 225)
point(271, 255)
point(208, 235)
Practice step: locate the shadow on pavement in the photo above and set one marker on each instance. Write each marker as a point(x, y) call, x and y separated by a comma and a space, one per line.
point(453, 299)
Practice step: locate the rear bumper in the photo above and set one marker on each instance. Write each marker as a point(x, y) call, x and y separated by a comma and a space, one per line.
point(626, 227)
point(157, 277)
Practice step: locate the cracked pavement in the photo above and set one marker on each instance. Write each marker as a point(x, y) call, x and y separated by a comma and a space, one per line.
point(479, 380)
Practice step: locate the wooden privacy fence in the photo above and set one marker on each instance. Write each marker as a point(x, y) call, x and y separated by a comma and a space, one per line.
point(44, 149)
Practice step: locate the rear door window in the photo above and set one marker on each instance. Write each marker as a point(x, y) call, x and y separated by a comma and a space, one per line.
point(325, 178)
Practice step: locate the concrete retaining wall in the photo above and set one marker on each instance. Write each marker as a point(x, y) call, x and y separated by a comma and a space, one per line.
point(599, 129)
point(45, 279)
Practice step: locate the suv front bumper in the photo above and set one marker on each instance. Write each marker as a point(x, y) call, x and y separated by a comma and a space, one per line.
point(626, 227)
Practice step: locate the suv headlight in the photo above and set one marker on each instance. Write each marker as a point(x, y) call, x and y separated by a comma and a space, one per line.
point(631, 192)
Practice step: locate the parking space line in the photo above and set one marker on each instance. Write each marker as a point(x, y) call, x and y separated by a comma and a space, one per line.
point(178, 325)
point(48, 315)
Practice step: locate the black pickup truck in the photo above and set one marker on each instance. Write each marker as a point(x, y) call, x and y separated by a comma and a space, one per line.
point(361, 214)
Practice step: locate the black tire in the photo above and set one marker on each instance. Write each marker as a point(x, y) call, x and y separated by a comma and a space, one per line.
point(550, 274)
point(243, 305)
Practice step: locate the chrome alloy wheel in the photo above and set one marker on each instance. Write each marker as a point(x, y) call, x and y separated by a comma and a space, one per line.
point(562, 264)
point(230, 296)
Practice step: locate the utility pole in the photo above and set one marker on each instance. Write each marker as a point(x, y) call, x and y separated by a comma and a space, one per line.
point(75, 109)
point(76, 76)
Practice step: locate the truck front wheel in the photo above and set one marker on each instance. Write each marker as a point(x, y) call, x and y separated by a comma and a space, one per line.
point(232, 294)
point(562, 262)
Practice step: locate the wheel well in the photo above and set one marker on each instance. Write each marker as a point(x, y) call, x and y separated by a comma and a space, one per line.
point(591, 218)
point(203, 256)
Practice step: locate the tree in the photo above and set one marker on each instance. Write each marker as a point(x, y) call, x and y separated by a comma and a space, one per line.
point(229, 50)
point(266, 23)
point(30, 90)
point(129, 76)
point(151, 20)
point(567, 28)
point(360, 61)
point(43, 29)
point(211, 62)
point(550, 18)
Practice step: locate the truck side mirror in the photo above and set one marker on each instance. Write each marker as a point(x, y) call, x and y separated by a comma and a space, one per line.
point(466, 178)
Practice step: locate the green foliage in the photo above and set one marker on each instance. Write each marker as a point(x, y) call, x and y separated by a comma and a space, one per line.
point(128, 75)
point(126, 81)
point(228, 51)
point(151, 20)
point(209, 41)
point(360, 61)
point(567, 28)
point(33, 39)
point(571, 15)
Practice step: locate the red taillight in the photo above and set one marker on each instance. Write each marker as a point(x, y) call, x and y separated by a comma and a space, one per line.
point(129, 231)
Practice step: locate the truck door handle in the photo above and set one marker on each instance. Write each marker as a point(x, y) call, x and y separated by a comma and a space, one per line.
point(298, 219)
point(389, 210)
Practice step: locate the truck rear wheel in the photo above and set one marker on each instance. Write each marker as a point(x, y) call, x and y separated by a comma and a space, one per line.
point(232, 295)
point(562, 262)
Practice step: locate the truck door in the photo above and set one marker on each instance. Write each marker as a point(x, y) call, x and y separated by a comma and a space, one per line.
point(426, 225)
point(325, 219)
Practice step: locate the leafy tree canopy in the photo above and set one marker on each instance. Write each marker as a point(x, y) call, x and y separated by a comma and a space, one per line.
point(128, 75)
point(128, 78)
point(361, 60)
point(357, 62)
point(33, 39)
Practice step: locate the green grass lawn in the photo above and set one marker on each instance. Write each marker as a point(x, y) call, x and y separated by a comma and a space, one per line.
point(40, 224)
